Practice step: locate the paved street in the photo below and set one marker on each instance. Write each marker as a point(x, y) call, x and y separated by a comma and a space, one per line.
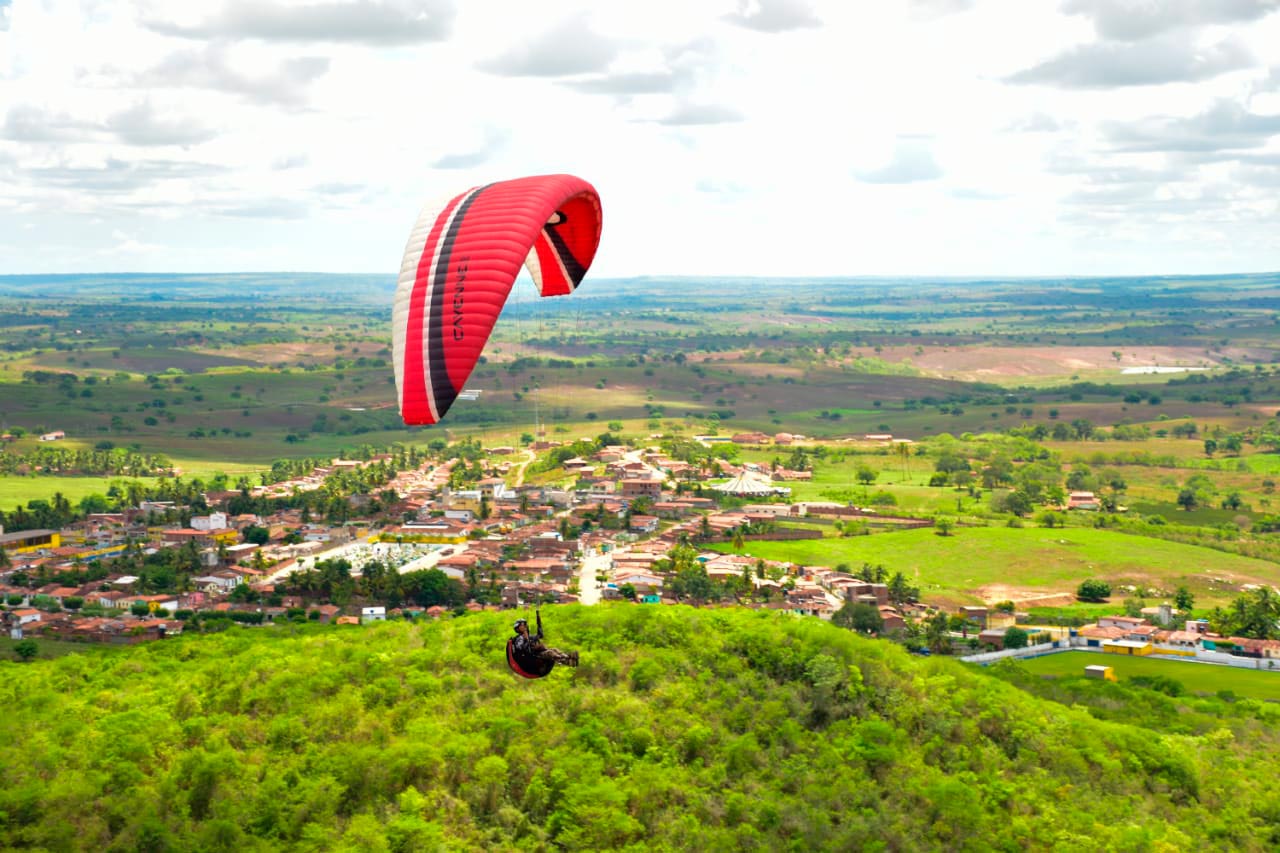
point(588, 588)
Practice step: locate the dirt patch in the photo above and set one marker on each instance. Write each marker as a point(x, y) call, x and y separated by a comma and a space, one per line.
point(979, 361)
point(1024, 597)
point(293, 352)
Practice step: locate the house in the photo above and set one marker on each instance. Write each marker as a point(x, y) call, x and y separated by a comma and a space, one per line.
point(644, 524)
point(750, 438)
point(25, 616)
point(641, 487)
point(56, 435)
point(326, 613)
point(891, 619)
point(992, 637)
point(1125, 623)
point(212, 521)
point(348, 620)
point(1001, 619)
point(643, 581)
point(219, 581)
point(1083, 500)
point(578, 465)
point(373, 614)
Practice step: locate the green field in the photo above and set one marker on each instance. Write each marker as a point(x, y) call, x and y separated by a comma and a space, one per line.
point(1037, 560)
point(1196, 677)
point(48, 649)
point(16, 491)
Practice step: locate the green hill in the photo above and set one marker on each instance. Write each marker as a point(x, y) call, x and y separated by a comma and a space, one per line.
point(682, 729)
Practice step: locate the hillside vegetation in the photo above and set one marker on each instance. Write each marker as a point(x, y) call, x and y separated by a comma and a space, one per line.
point(682, 729)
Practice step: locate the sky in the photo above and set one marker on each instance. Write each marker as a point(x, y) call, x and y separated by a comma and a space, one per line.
point(726, 137)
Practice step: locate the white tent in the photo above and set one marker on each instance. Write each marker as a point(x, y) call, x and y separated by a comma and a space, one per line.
point(745, 484)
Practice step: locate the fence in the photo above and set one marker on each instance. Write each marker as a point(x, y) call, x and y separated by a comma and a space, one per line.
point(872, 517)
point(985, 658)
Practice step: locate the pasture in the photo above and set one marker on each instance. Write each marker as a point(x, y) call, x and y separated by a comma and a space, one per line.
point(1195, 677)
point(1025, 564)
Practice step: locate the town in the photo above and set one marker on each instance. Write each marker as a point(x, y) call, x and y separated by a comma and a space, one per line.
point(404, 534)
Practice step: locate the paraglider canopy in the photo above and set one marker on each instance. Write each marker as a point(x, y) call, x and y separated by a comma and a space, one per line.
point(459, 265)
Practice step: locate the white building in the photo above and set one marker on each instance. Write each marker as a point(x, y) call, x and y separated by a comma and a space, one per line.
point(372, 614)
point(212, 521)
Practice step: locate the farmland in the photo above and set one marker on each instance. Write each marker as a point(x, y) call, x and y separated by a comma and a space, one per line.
point(1160, 393)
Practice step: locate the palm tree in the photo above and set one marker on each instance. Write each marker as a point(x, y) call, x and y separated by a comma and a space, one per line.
point(904, 453)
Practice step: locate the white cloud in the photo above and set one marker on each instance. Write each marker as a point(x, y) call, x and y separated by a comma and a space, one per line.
point(306, 134)
point(774, 16)
point(570, 47)
point(1167, 59)
point(370, 22)
point(211, 67)
point(1131, 20)
point(912, 161)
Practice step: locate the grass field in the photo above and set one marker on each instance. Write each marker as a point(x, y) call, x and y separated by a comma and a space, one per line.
point(46, 649)
point(16, 491)
point(1196, 677)
point(1001, 562)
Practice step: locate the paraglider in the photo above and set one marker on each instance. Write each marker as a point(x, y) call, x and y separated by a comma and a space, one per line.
point(459, 266)
point(529, 657)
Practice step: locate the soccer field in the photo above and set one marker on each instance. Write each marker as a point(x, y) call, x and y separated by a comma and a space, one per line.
point(1196, 677)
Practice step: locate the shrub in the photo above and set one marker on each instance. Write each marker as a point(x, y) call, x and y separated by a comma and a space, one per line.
point(1093, 590)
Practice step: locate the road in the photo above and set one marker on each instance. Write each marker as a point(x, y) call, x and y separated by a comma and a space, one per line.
point(522, 467)
point(592, 565)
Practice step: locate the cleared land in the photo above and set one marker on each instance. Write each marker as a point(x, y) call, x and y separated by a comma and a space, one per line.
point(1196, 677)
point(996, 563)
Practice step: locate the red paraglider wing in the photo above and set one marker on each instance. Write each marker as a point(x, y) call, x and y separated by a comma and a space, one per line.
point(460, 263)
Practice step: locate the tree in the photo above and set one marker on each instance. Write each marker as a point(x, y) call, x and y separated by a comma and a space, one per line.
point(255, 534)
point(900, 591)
point(1093, 590)
point(937, 633)
point(1187, 499)
point(1183, 599)
point(858, 616)
point(73, 602)
point(866, 474)
point(26, 649)
point(1015, 638)
point(944, 525)
point(904, 454)
point(1017, 502)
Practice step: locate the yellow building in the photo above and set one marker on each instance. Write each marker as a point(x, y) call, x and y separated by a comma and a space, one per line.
point(1137, 648)
point(1106, 673)
point(27, 541)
